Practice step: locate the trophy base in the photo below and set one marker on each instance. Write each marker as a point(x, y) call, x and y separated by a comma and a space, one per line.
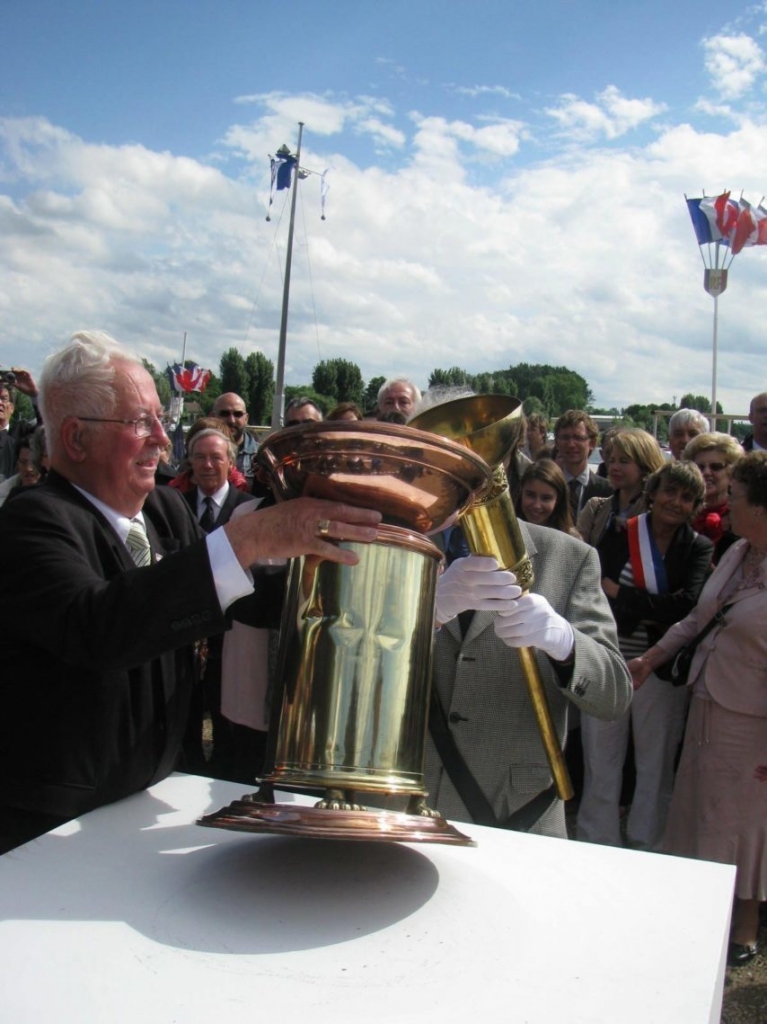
point(252, 815)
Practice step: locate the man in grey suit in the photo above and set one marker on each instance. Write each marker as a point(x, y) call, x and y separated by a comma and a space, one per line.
point(479, 682)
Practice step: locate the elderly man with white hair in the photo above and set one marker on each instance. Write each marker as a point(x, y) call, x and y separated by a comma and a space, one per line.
point(397, 399)
point(683, 426)
point(113, 583)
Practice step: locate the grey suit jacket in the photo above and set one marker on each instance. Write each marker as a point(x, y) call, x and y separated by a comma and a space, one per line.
point(479, 681)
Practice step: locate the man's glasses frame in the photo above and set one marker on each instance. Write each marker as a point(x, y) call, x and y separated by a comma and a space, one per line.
point(142, 425)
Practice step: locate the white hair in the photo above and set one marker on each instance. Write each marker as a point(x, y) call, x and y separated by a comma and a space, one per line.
point(398, 380)
point(685, 417)
point(78, 380)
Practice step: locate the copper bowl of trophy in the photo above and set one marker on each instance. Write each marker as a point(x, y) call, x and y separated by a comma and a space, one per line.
point(417, 480)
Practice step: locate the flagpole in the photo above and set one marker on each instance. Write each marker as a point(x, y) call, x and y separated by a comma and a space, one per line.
point(278, 408)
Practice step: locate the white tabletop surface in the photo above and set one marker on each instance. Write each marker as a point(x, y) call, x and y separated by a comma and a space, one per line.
point(134, 914)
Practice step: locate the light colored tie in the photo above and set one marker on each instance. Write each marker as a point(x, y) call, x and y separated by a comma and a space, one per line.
point(138, 544)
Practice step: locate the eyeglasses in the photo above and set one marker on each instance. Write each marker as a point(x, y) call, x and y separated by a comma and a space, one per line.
point(224, 414)
point(715, 467)
point(565, 438)
point(143, 425)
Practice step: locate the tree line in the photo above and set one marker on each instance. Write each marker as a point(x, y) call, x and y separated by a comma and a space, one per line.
point(548, 390)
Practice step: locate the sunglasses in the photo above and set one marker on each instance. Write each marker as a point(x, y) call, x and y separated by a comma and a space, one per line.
point(715, 467)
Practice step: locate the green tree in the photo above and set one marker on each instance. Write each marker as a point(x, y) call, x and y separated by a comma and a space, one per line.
point(325, 378)
point(322, 402)
point(22, 408)
point(161, 382)
point(234, 376)
point(339, 379)
point(452, 378)
point(208, 397)
point(533, 404)
point(370, 394)
point(260, 395)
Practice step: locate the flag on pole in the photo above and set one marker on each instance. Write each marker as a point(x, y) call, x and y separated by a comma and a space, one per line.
point(714, 219)
point(751, 228)
point(188, 378)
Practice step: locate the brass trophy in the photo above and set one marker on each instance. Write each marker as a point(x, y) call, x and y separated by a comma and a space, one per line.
point(351, 713)
point(490, 426)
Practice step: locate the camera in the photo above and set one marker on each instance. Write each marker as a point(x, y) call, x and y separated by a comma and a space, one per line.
point(7, 377)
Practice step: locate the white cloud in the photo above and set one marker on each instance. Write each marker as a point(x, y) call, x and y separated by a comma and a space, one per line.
point(586, 260)
point(475, 91)
point(734, 62)
point(611, 116)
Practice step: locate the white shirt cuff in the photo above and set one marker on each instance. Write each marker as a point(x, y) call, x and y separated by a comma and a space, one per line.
point(231, 580)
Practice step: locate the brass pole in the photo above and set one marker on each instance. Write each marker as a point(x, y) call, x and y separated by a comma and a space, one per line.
point(491, 528)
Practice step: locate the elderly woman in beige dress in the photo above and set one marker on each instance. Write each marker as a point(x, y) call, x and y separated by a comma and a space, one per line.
point(719, 806)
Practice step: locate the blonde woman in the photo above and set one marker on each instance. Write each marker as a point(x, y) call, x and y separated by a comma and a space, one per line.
point(715, 455)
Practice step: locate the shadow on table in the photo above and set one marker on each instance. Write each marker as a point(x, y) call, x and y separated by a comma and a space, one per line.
point(209, 890)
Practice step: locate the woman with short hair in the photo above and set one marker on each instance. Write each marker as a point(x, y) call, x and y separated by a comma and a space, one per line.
point(652, 574)
point(715, 455)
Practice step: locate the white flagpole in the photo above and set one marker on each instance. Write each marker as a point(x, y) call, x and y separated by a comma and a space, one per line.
point(278, 408)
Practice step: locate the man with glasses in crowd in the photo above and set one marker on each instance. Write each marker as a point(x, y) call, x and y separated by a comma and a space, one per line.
point(124, 581)
point(231, 409)
point(575, 437)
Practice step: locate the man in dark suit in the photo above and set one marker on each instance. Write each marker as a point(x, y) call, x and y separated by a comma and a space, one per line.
point(575, 437)
point(10, 382)
point(212, 500)
point(112, 582)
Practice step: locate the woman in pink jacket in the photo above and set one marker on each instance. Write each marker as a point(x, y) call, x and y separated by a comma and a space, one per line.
point(719, 807)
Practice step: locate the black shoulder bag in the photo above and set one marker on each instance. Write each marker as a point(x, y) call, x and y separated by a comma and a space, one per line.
point(677, 669)
point(467, 787)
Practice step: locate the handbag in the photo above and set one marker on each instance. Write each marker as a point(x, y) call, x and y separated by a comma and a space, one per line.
point(677, 669)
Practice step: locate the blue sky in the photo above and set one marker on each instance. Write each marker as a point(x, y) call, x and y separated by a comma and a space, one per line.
point(506, 184)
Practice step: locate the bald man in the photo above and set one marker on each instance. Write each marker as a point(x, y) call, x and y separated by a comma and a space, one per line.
point(231, 408)
point(757, 416)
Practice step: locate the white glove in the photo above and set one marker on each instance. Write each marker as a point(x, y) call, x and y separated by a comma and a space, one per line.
point(474, 582)
point(532, 622)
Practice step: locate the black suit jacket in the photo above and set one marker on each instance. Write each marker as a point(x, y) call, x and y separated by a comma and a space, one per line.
point(597, 487)
point(96, 660)
point(234, 497)
point(7, 454)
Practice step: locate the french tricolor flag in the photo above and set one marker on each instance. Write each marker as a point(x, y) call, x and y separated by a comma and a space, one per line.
point(714, 219)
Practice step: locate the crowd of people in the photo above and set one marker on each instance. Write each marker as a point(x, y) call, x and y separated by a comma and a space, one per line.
point(160, 587)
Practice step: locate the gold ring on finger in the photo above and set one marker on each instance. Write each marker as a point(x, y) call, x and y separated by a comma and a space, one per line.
point(323, 527)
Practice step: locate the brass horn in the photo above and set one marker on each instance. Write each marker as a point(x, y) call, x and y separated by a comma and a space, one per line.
point(490, 426)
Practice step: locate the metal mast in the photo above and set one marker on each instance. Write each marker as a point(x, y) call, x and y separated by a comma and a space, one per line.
point(278, 408)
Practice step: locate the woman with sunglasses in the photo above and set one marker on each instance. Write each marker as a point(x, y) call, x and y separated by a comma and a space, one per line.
point(715, 456)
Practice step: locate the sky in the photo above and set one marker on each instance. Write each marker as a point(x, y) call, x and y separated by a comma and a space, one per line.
point(506, 184)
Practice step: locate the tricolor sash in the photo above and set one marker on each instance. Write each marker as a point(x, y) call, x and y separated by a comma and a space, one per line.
point(646, 560)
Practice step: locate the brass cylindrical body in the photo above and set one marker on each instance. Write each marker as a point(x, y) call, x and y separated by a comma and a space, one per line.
point(355, 668)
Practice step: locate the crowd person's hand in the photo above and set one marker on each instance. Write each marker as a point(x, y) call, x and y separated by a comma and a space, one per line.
point(532, 622)
point(303, 526)
point(475, 583)
point(25, 382)
point(640, 668)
